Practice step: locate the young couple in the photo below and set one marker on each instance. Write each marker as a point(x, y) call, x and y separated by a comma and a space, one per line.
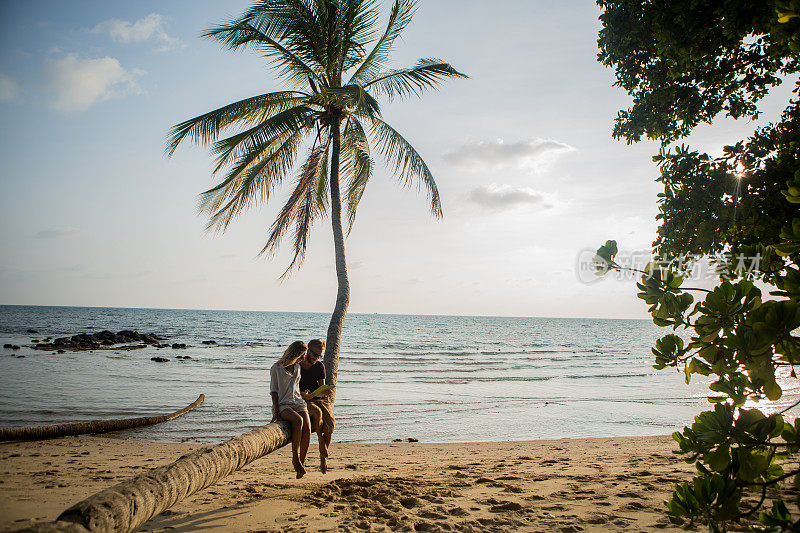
point(293, 378)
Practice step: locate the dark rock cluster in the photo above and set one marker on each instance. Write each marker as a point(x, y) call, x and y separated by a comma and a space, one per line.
point(103, 339)
point(166, 360)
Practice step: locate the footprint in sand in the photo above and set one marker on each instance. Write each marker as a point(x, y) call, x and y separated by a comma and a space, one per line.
point(409, 502)
point(554, 508)
point(505, 506)
point(634, 506)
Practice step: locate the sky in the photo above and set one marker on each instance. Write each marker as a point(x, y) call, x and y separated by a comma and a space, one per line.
point(92, 212)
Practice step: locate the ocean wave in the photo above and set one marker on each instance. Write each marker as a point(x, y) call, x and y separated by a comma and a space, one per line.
point(483, 379)
point(604, 376)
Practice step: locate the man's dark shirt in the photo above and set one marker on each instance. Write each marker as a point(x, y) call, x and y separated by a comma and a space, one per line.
point(309, 379)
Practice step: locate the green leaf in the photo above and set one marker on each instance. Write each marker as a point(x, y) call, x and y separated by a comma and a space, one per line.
point(752, 464)
point(719, 459)
point(773, 390)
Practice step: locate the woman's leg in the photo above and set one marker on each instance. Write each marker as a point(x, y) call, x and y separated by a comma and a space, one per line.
point(305, 437)
point(297, 427)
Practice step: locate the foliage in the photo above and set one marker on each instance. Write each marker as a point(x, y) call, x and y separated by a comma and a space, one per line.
point(684, 62)
point(334, 58)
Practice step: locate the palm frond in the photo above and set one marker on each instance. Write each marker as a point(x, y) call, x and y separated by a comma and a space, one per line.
point(292, 25)
point(292, 119)
point(308, 210)
point(251, 183)
point(207, 127)
point(357, 22)
point(299, 209)
point(357, 166)
point(256, 157)
point(407, 163)
point(399, 17)
point(272, 17)
point(426, 74)
point(286, 62)
point(305, 34)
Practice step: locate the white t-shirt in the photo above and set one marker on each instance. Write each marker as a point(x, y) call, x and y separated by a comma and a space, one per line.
point(286, 385)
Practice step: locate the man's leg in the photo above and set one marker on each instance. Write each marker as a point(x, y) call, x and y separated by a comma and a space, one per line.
point(325, 433)
point(315, 414)
point(323, 451)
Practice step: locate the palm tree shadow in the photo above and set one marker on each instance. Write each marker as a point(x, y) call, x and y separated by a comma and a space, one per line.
point(192, 521)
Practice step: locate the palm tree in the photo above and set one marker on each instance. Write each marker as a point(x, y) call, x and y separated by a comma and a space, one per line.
point(335, 60)
point(98, 426)
point(127, 505)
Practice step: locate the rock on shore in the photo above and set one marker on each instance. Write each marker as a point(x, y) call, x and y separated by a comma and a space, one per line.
point(101, 340)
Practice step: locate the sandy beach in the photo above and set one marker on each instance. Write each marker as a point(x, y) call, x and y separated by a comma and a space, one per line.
point(604, 484)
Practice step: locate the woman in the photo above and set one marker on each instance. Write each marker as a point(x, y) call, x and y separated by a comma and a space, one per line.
point(289, 404)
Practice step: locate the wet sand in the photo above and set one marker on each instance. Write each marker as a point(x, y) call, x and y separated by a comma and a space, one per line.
point(607, 484)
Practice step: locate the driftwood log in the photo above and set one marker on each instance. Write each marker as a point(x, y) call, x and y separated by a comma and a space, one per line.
point(128, 505)
point(85, 428)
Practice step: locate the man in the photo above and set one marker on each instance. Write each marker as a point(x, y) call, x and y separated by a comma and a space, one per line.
point(312, 376)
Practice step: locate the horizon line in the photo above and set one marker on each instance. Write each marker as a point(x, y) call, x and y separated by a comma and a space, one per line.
point(318, 312)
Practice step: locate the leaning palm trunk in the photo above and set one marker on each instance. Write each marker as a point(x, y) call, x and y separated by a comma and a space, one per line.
point(333, 340)
point(337, 61)
point(85, 428)
point(128, 505)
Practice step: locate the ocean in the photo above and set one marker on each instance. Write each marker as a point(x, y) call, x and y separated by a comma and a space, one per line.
point(432, 378)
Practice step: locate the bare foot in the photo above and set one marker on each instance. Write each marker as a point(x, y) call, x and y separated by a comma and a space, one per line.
point(299, 468)
point(323, 465)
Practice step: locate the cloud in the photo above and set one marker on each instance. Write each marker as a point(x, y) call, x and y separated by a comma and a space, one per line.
point(533, 154)
point(151, 27)
point(58, 233)
point(8, 89)
point(80, 83)
point(496, 196)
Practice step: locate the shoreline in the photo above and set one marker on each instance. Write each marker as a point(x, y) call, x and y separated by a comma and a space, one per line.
point(568, 484)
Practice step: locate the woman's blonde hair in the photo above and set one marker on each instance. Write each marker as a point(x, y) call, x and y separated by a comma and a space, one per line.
point(292, 354)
